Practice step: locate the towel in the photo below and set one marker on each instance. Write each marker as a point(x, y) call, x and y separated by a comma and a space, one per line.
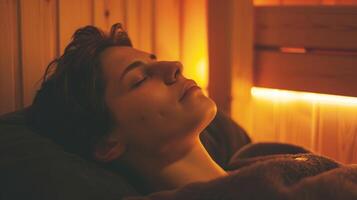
point(276, 176)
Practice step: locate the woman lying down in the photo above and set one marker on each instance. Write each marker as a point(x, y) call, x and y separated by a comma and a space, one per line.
point(117, 105)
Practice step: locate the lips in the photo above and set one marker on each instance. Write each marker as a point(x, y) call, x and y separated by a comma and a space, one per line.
point(187, 85)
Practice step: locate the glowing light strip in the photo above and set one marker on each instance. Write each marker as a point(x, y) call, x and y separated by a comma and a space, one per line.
point(286, 95)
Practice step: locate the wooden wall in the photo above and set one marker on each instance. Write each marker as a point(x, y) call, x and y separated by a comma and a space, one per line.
point(306, 48)
point(325, 127)
point(33, 32)
point(230, 31)
point(329, 129)
point(305, 2)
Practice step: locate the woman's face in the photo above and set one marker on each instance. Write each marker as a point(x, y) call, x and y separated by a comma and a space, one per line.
point(145, 98)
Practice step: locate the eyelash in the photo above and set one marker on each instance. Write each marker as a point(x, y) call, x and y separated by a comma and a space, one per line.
point(137, 84)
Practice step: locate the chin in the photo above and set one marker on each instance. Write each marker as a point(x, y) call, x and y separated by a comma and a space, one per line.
point(205, 113)
point(211, 111)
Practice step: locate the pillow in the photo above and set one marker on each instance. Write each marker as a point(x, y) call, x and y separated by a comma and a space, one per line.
point(33, 167)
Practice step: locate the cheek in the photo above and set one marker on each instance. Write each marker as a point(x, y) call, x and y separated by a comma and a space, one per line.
point(146, 108)
point(146, 117)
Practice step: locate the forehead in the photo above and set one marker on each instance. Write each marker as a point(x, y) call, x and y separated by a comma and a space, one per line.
point(115, 59)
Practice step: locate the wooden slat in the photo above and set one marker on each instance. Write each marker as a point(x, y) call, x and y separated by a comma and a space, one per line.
point(242, 61)
point(219, 43)
point(338, 132)
point(346, 2)
point(295, 122)
point(108, 12)
point(194, 51)
point(132, 20)
point(279, 120)
point(146, 10)
point(10, 84)
point(299, 2)
point(331, 74)
point(264, 120)
point(135, 15)
point(328, 2)
point(267, 2)
point(38, 36)
point(329, 129)
point(347, 133)
point(73, 15)
point(307, 26)
point(327, 136)
point(101, 14)
point(167, 29)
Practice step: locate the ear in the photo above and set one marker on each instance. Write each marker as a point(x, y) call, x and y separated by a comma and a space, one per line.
point(109, 149)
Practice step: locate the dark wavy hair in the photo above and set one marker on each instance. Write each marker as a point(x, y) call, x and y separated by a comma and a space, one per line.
point(69, 108)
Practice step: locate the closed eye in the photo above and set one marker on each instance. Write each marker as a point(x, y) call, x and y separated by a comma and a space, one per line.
point(137, 84)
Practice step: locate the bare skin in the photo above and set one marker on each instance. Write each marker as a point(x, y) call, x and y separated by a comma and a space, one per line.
point(157, 132)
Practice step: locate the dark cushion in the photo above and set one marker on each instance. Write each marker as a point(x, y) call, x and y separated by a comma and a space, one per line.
point(33, 167)
point(258, 152)
point(222, 138)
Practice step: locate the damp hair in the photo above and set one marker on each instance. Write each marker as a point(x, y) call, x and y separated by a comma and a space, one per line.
point(69, 107)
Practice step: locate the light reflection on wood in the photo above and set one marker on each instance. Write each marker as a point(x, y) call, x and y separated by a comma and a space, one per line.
point(326, 129)
point(305, 2)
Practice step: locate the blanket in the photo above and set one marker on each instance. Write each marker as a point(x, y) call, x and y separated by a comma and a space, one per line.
point(297, 176)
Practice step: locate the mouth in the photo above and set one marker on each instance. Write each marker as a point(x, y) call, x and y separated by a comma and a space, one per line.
point(188, 88)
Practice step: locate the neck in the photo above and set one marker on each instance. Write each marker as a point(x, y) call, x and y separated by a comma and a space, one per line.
point(195, 166)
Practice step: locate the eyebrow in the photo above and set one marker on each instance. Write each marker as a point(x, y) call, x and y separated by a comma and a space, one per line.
point(134, 65)
point(131, 67)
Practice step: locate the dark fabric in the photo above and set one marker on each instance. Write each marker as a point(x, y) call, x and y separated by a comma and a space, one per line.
point(222, 138)
point(33, 167)
point(279, 177)
point(252, 153)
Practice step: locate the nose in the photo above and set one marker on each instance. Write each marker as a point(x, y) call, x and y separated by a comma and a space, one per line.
point(169, 71)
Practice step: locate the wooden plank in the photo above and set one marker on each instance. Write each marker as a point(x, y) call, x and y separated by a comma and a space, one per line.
point(39, 47)
point(242, 62)
point(325, 127)
point(347, 133)
point(295, 122)
point(135, 15)
point(299, 2)
point(319, 27)
point(145, 39)
point(167, 29)
point(338, 132)
point(264, 120)
point(219, 51)
point(194, 51)
point(132, 20)
point(346, 2)
point(101, 14)
point(321, 73)
point(108, 12)
point(327, 137)
point(267, 2)
point(10, 83)
point(328, 2)
point(281, 118)
point(73, 15)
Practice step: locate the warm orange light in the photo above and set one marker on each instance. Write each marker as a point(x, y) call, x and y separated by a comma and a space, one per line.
point(194, 51)
point(286, 95)
point(292, 50)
